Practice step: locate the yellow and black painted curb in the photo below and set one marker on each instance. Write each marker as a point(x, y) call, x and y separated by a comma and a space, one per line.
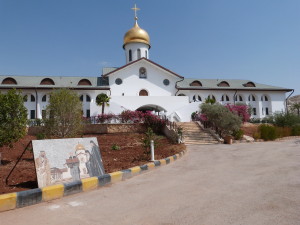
point(37, 195)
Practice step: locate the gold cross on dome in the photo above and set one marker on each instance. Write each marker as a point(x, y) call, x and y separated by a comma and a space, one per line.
point(135, 9)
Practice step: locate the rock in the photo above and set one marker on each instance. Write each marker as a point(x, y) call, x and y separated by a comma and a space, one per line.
point(248, 138)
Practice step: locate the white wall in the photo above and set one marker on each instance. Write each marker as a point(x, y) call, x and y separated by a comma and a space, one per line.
point(132, 84)
point(275, 103)
point(168, 103)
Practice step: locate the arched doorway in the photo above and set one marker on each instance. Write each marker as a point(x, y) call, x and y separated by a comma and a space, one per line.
point(151, 108)
point(143, 92)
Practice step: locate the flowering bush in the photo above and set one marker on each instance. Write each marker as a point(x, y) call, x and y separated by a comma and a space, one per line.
point(240, 110)
point(127, 116)
point(154, 122)
point(203, 117)
point(131, 116)
point(105, 118)
point(221, 118)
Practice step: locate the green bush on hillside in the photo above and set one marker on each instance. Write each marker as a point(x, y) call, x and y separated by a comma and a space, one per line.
point(267, 132)
point(296, 130)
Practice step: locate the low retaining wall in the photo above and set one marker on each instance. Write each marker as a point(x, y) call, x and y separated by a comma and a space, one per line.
point(37, 195)
point(114, 128)
point(101, 128)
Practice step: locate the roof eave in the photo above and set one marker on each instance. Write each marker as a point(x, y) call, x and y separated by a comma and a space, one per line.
point(53, 87)
point(239, 89)
point(122, 67)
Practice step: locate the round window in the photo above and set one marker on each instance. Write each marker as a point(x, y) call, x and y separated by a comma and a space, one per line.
point(118, 81)
point(166, 82)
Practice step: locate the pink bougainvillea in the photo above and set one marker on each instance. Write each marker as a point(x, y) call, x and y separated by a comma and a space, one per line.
point(240, 110)
point(127, 116)
point(203, 117)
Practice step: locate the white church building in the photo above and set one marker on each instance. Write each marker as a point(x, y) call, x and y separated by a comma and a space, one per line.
point(142, 84)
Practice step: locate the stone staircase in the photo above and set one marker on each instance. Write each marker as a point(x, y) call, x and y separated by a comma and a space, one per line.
point(194, 135)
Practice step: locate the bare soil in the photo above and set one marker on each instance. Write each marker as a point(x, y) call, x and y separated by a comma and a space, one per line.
point(131, 153)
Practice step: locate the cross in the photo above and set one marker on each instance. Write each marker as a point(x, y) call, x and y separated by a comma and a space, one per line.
point(135, 9)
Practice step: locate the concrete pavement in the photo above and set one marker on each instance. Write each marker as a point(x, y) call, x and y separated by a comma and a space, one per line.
point(251, 183)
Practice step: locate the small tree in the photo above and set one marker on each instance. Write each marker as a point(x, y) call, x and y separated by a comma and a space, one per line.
point(220, 116)
point(13, 117)
point(102, 100)
point(63, 114)
point(209, 100)
point(296, 107)
point(146, 140)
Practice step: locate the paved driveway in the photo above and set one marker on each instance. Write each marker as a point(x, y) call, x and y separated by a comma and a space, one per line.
point(251, 184)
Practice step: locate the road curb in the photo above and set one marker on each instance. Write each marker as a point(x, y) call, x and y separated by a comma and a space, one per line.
point(34, 196)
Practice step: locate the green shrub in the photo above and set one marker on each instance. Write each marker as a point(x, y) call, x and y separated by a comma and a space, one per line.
point(221, 117)
point(146, 140)
point(286, 119)
point(296, 130)
point(268, 119)
point(254, 120)
point(64, 114)
point(238, 135)
point(13, 117)
point(40, 136)
point(115, 147)
point(267, 132)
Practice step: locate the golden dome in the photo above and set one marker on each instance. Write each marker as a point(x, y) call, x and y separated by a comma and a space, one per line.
point(136, 34)
point(79, 147)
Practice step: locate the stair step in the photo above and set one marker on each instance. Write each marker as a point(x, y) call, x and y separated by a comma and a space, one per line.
point(194, 135)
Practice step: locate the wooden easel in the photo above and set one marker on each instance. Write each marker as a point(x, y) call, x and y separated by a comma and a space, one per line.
point(28, 145)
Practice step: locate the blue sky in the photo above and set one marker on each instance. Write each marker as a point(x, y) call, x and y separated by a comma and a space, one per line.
point(235, 39)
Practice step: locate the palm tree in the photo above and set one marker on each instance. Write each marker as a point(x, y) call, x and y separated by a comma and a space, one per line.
point(102, 100)
point(296, 107)
point(210, 100)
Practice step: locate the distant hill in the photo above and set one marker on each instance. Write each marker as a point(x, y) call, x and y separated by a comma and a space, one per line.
point(294, 99)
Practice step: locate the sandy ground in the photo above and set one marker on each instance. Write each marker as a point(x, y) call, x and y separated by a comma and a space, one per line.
point(257, 183)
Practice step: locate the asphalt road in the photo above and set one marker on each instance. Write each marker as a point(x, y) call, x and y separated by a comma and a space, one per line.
point(238, 184)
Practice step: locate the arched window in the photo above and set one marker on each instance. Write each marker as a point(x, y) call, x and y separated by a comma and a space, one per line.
point(139, 53)
point(197, 98)
point(88, 98)
point(264, 98)
point(143, 92)
point(238, 98)
point(47, 81)
point(130, 55)
point(249, 84)
point(143, 73)
point(44, 98)
point(212, 97)
point(84, 82)
point(146, 54)
point(251, 98)
point(32, 98)
point(25, 98)
point(9, 80)
point(225, 98)
point(224, 84)
point(196, 83)
point(81, 98)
